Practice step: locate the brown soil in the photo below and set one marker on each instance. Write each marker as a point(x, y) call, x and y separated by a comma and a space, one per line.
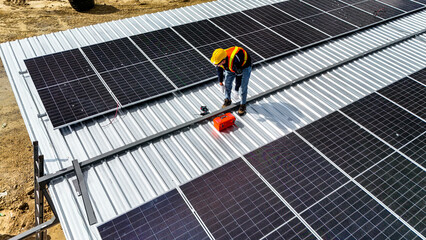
point(31, 19)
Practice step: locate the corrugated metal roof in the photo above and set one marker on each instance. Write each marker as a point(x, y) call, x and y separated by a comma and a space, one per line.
point(129, 180)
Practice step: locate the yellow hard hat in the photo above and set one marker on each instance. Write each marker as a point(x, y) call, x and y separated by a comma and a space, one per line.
point(218, 55)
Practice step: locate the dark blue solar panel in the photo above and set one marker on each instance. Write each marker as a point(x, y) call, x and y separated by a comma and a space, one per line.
point(385, 119)
point(378, 9)
point(345, 143)
point(75, 100)
point(297, 8)
point(420, 76)
point(138, 82)
point(160, 43)
point(267, 43)
point(300, 174)
point(326, 5)
point(201, 33)
point(352, 1)
point(300, 33)
point(400, 185)
point(416, 150)
point(166, 217)
point(349, 213)
point(405, 5)
point(186, 68)
point(293, 230)
point(355, 16)
point(234, 203)
point(329, 24)
point(409, 94)
point(237, 24)
point(269, 15)
point(58, 68)
point(113, 54)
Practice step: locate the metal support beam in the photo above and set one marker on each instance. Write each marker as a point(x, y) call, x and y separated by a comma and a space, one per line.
point(37, 229)
point(35, 159)
point(38, 193)
point(81, 185)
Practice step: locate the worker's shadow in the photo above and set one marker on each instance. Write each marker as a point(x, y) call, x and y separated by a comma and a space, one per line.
point(283, 115)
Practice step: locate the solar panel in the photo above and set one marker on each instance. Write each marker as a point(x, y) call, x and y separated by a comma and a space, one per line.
point(113, 54)
point(135, 83)
point(416, 150)
point(378, 9)
point(421, 1)
point(326, 5)
point(405, 5)
point(292, 230)
point(345, 143)
point(349, 213)
point(329, 24)
point(160, 43)
point(299, 33)
point(75, 100)
point(352, 1)
point(266, 43)
point(58, 68)
point(237, 24)
point(269, 16)
point(300, 174)
point(234, 203)
point(297, 8)
point(385, 119)
point(201, 33)
point(230, 42)
point(166, 217)
point(186, 68)
point(420, 76)
point(355, 16)
point(400, 185)
point(409, 94)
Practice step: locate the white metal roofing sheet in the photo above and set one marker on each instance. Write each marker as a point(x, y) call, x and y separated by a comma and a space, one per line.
point(128, 180)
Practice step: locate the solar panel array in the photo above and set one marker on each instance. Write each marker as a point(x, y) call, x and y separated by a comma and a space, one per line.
point(357, 173)
point(165, 217)
point(138, 68)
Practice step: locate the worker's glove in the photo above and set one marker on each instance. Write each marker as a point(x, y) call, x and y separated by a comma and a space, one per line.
point(222, 87)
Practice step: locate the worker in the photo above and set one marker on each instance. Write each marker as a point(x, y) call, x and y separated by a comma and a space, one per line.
point(236, 63)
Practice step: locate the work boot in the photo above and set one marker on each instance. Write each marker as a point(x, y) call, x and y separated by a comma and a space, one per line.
point(242, 109)
point(226, 103)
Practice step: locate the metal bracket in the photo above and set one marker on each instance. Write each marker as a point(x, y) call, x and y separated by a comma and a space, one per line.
point(77, 187)
point(40, 115)
point(23, 72)
point(81, 187)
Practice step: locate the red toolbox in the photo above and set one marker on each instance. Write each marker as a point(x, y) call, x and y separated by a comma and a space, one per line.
point(224, 121)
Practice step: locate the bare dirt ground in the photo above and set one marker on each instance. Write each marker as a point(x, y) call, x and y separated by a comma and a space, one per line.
point(35, 18)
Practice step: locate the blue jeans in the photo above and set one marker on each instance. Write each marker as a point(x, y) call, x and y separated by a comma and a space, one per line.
point(229, 78)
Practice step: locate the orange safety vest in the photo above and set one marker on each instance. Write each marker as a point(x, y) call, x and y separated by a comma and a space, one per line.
point(231, 52)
